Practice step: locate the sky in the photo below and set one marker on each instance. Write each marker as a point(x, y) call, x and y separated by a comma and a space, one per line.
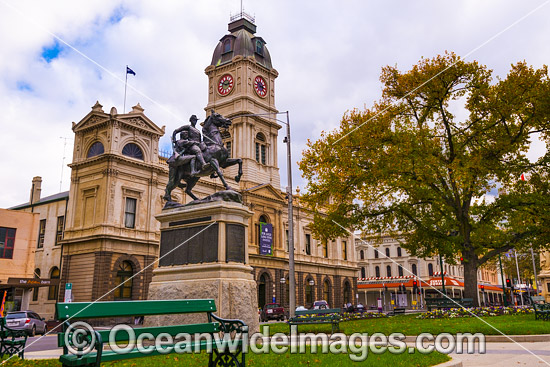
point(59, 57)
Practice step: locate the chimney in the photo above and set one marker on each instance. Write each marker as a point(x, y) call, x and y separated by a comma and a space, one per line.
point(35, 189)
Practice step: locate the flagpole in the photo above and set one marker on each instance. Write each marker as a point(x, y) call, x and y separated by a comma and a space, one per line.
point(125, 84)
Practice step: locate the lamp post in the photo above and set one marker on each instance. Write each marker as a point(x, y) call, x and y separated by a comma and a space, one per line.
point(283, 282)
point(291, 271)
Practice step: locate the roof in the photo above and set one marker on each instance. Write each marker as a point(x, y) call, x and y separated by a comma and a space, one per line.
point(243, 43)
point(55, 197)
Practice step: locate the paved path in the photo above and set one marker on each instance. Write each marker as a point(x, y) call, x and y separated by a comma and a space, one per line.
point(509, 354)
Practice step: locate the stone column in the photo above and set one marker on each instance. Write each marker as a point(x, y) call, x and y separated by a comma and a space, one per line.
point(204, 254)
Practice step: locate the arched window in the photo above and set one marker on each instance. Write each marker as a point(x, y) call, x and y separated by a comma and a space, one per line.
point(388, 271)
point(430, 270)
point(376, 253)
point(53, 291)
point(261, 148)
point(35, 290)
point(387, 251)
point(133, 151)
point(309, 291)
point(362, 255)
point(95, 149)
point(347, 293)
point(399, 251)
point(363, 273)
point(414, 271)
point(226, 45)
point(377, 271)
point(326, 291)
point(400, 270)
point(123, 277)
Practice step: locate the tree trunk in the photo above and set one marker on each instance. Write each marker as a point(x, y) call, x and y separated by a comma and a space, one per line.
point(470, 278)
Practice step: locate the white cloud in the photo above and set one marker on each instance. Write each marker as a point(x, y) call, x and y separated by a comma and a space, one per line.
point(328, 54)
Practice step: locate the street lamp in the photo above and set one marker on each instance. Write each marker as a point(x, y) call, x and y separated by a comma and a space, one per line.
point(311, 282)
point(291, 271)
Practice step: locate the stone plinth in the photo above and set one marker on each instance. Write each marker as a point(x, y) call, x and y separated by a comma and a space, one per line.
point(204, 254)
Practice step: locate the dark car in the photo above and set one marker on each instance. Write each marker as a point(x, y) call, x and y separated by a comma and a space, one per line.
point(272, 311)
point(28, 321)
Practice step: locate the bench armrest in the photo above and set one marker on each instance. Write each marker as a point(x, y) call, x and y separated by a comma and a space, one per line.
point(229, 325)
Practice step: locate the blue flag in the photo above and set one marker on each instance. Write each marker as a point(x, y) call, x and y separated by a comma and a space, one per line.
point(130, 71)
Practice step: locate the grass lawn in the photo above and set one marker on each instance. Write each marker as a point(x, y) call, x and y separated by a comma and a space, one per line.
point(267, 360)
point(410, 325)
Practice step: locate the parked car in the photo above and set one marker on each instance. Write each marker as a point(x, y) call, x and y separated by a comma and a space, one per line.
point(320, 305)
point(29, 321)
point(301, 308)
point(272, 311)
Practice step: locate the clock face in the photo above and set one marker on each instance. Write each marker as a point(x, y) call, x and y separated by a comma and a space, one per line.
point(225, 85)
point(260, 86)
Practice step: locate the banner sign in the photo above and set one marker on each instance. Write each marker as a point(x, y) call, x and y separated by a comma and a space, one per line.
point(68, 292)
point(266, 239)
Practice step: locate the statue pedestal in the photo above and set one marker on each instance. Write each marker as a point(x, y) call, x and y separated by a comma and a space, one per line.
point(544, 280)
point(204, 254)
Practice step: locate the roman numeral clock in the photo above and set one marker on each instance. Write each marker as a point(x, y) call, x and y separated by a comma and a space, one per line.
point(260, 86)
point(225, 85)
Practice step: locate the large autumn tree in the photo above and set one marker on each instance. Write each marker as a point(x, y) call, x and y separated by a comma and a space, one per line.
point(438, 161)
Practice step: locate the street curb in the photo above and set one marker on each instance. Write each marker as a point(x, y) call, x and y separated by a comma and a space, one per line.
point(503, 338)
point(454, 362)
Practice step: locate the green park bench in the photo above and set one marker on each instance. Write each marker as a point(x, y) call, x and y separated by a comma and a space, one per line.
point(542, 309)
point(448, 303)
point(321, 316)
point(220, 353)
point(397, 311)
point(11, 341)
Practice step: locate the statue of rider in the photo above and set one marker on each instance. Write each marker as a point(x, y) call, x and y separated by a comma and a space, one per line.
point(190, 143)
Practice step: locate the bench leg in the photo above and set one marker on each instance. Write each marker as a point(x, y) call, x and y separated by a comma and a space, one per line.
point(226, 358)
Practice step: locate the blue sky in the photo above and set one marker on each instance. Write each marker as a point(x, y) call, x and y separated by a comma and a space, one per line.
point(328, 55)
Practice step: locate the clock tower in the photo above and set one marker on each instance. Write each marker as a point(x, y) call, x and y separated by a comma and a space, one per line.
point(241, 81)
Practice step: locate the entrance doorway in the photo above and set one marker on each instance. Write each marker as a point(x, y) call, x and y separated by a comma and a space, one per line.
point(262, 286)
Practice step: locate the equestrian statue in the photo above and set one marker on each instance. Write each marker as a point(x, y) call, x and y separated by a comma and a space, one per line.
point(194, 157)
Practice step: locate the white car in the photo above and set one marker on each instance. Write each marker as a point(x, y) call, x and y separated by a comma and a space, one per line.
point(320, 305)
point(301, 308)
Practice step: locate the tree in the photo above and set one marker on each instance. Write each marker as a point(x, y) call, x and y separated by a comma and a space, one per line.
point(438, 161)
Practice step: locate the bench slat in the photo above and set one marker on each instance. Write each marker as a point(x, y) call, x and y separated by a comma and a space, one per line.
point(173, 330)
point(90, 358)
point(87, 310)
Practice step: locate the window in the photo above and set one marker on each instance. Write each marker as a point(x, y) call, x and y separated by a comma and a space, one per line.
point(363, 273)
point(259, 47)
point(376, 253)
point(344, 250)
point(95, 149)
point(347, 293)
point(430, 270)
point(308, 244)
point(309, 292)
point(377, 271)
point(53, 291)
point(7, 242)
point(388, 271)
point(362, 255)
point(286, 232)
point(123, 278)
point(399, 251)
point(387, 252)
point(326, 291)
point(59, 230)
point(260, 148)
point(41, 233)
point(227, 46)
point(325, 248)
point(36, 289)
point(414, 271)
point(130, 213)
point(133, 151)
point(400, 270)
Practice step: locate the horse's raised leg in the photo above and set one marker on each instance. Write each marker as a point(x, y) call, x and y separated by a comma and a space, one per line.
point(191, 182)
point(231, 162)
point(214, 163)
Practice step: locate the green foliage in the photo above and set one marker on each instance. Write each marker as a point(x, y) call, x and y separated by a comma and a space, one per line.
point(425, 162)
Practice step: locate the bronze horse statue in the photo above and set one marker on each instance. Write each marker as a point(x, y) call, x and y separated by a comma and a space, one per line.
point(215, 154)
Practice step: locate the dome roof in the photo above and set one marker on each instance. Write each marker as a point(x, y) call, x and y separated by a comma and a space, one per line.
point(241, 41)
